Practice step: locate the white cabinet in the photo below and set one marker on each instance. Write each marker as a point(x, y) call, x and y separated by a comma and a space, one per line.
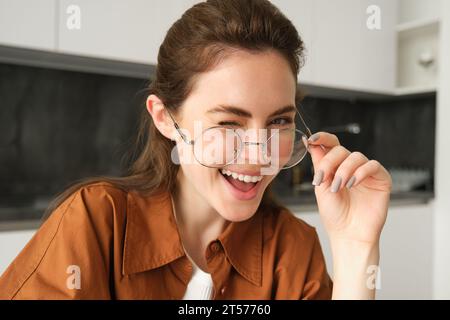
point(300, 13)
point(412, 10)
point(342, 52)
point(116, 29)
point(29, 24)
point(406, 262)
point(407, 246)
point(347, 53)
point(11, 243)
point(418, 46)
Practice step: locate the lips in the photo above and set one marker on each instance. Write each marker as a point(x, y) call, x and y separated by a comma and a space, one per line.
point(240, 189)
point(240, 185)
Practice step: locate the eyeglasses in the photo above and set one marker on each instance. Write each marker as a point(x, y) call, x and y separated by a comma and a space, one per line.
point(219, 146)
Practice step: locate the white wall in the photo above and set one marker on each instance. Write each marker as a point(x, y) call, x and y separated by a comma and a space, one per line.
point(418, 9)
point(442, 173)
point(11, 243)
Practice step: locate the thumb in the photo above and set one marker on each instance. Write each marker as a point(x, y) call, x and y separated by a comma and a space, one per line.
point(317, 152)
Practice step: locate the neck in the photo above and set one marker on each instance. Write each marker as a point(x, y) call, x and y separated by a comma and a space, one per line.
point(197, 221)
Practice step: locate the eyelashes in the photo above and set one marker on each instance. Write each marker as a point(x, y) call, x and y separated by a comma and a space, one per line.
point(229, 124)
point(277, 122)
point(286, 120)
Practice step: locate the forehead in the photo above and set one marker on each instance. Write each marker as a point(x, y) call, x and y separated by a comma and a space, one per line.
point(257, 82)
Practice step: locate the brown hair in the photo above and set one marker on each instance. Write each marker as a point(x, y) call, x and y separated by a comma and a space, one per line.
point(195, 43)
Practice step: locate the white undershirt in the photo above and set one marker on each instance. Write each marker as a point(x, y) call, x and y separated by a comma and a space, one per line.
point(200, 287)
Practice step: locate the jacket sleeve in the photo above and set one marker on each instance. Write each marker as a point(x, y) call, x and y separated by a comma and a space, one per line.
point(318, 284)
point(68, 257)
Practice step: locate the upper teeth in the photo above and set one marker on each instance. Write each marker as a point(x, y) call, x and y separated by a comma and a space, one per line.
point(242, 177)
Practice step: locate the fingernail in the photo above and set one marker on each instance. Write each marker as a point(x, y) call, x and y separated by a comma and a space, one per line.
point(336, 184)
point(318, 177)
point(350, 182)
point(314, 137)
point(305, 141)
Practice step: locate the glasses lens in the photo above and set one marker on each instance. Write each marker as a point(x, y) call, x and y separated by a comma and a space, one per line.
point(285, 147)
point(217, 147)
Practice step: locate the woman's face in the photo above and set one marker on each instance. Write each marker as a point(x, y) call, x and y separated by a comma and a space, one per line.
point(256, 86)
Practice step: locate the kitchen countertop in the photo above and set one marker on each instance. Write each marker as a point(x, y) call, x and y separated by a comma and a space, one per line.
point(306, 202)
point(29, 217)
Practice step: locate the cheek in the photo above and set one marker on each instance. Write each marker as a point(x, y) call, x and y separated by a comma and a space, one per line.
point(201, 177)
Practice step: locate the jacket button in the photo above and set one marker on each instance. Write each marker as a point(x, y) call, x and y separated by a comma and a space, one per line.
point(222, 291)
point(215, 247)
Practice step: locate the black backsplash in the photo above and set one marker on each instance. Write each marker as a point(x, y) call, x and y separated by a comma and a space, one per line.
point(398, 132)
point(60, 126)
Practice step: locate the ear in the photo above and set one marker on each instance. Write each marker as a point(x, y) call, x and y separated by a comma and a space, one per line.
point(160, 117)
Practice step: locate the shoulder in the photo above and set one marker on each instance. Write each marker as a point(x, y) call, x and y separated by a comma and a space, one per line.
point(100, 193)
point(79, 233)
point(92, 208)
point(97, 199)
point(96, 207)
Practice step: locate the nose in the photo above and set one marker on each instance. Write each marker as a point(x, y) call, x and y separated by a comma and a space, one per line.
point(254, 153)
point(254, 148)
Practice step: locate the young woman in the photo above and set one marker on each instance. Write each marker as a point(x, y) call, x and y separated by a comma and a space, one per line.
point(208, 228)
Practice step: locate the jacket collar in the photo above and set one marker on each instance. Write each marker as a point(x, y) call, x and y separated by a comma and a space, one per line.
point(152, 238)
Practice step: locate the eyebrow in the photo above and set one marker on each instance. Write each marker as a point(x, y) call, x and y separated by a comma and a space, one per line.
point(244, 113)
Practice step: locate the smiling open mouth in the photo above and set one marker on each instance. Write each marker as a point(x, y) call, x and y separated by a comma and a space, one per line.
point(241, 182)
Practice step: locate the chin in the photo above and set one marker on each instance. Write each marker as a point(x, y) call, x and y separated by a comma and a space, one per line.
point(237, 214)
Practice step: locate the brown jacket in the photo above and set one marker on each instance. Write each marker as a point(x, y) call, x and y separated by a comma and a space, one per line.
point(106, 243)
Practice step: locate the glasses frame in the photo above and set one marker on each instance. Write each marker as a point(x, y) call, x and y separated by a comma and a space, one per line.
point(244, 143)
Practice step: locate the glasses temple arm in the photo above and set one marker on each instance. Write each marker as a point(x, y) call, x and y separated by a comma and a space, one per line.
point(177, 127)
point(304, 123)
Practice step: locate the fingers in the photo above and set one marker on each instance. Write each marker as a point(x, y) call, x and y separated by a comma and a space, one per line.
point(344, 176)
point(374, 170)
point(340, 169)
point(324, 138)
point(335, 167)
point(326, 168)
point(319, 144)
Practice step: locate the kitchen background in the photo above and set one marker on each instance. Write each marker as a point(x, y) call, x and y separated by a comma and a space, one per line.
point(70, 99)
